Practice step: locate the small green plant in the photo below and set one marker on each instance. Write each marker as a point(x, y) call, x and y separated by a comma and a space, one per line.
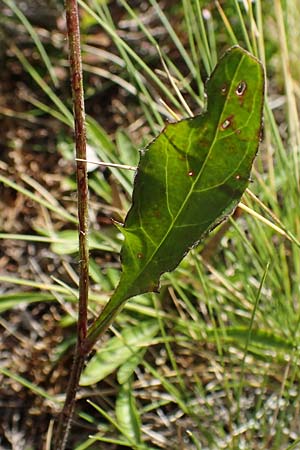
point(189, 179)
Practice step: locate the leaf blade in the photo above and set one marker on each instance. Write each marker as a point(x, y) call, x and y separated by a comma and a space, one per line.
point(206, 187)
point(190, 178)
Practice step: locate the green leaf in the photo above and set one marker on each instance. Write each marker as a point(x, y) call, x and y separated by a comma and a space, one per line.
point(190, 178)
point(117, 351)
point(12, 300)
point(66, 242)
point(265, 340)
point(127, 414)
point(126, 370)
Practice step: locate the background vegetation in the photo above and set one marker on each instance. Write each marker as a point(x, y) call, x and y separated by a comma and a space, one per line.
point(212, 361)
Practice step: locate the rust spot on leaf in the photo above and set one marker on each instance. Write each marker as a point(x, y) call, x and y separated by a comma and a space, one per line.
point(227, 122)
point(224, 89)
point(241, 88)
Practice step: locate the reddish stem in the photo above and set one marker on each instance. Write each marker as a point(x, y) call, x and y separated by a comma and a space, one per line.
point(82, 191)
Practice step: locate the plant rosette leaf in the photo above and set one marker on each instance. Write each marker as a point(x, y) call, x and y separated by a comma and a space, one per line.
point(190, 178)
point(118, 351)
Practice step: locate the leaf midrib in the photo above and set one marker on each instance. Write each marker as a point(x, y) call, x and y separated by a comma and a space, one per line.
point(173, 221)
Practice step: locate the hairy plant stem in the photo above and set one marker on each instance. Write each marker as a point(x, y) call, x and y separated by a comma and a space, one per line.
point(82, 191)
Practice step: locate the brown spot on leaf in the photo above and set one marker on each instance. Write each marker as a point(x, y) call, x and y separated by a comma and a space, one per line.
point(241, 88)
point(227, 122)
point(224, 89)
